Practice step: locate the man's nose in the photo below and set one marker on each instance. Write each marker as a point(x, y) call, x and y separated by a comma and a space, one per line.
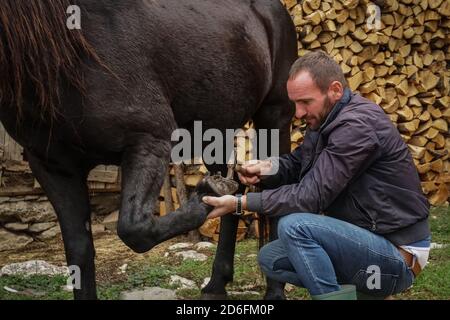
point(299, 113)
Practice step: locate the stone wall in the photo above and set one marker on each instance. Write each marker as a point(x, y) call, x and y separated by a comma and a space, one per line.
point(27, 219)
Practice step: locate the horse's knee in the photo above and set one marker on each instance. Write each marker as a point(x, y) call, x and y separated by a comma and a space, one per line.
point(135, 236)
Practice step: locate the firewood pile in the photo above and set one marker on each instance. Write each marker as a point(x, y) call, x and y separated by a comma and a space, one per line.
point(395, 53)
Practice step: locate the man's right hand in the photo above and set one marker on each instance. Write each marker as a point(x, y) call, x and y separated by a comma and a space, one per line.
point(251, 172)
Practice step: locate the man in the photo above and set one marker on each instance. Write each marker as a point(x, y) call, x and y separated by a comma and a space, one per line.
point(350, 198)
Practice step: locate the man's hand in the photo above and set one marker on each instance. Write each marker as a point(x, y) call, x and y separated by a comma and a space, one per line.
point(251, 172)
point(223, 205)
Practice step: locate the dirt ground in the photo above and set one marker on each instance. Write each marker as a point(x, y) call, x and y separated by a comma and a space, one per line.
point(111, 253)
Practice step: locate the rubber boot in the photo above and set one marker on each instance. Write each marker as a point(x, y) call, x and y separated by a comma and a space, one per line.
point(347, 292)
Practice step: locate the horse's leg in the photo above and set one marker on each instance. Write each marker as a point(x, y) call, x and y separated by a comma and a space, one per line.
point(65, 186)
point(276, 113)
point(223, 267)
point(144, 165)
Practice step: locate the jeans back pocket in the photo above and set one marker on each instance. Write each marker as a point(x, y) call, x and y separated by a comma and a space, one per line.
point(375, 284)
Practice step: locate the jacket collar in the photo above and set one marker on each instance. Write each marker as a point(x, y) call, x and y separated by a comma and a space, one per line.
point(337, 108)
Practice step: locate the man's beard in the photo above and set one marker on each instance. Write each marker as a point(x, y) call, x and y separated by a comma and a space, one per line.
point(327, 106)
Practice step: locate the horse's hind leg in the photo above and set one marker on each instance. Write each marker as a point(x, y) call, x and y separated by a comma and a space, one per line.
point(65, 186)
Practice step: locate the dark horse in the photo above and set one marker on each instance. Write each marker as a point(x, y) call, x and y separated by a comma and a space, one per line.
point(114, 91)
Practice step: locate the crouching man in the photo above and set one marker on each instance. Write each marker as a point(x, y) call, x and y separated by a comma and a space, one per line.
point(353, 215)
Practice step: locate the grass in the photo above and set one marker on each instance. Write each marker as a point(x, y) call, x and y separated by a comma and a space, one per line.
point(433, 283)
point(34, 288)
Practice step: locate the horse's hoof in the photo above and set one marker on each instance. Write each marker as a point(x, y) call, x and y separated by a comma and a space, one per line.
point(216, 185)
point(213, 296)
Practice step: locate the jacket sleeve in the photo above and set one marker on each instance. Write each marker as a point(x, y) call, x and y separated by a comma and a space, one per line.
point(352, 148)
point(288, 168)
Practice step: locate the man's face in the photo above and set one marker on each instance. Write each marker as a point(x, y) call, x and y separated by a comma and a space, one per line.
point(311, 104)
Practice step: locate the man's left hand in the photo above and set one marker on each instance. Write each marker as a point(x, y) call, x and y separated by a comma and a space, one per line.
point(223, 205)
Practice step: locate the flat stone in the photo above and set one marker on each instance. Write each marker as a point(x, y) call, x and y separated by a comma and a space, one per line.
point(27, 212)
point(248, 287)
point(123, 268)
point(4, 199)
point(204, 245)
point(15, 226)
point(181, 246)
point(205, 282)
point(33, 267)
point(110, 222)
point(182, 283)
point(8, 289)
point(67, 288)
point(41, 227)
point(191, 255)
point(104, 204)
point(16, 199)
point(242, 293)
point(49, 234)
point(29, 198)
point(26, 292)
point(154, 293)
point(13, 241)
point(98, 229)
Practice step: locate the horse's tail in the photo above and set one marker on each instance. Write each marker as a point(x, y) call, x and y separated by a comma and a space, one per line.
point(37, 52)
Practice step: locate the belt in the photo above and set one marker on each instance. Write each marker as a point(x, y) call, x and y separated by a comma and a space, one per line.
point(410, 261)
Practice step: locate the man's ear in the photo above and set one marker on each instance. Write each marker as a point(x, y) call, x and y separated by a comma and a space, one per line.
point(335, 91)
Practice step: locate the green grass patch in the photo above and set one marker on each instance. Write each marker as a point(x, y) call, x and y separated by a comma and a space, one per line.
point(37, 287)
point(434, 282)
point(155, 271)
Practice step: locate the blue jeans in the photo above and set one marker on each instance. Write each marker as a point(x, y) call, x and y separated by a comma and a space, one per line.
point(319, 253)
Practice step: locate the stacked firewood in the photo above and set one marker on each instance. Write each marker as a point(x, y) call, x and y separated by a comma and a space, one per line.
point(396, 53)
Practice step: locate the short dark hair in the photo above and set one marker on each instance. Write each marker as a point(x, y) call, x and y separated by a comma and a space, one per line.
point(322, 68)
